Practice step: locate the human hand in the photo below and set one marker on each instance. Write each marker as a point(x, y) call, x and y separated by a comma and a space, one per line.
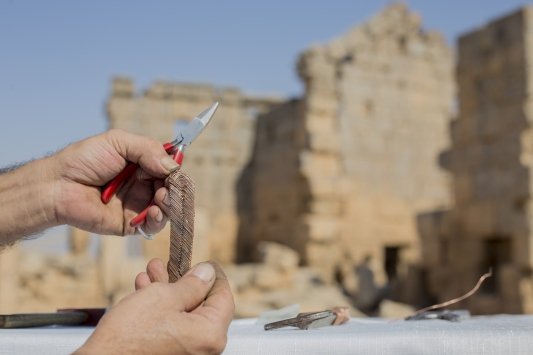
point(190, 316)
point(84, 167)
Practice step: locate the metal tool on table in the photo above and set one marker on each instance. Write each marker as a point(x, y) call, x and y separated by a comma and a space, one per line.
point(63, 317)
point(444, 314)
point(177, 148)
point(310, 320)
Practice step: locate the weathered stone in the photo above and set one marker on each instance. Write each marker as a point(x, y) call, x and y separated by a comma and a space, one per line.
point(79, 241)
point(355, 182)
point(278, 256)
point(267, 277)
point(489, 225)
point(9, 277)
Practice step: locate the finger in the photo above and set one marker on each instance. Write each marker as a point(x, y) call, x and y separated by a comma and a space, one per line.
point(147, 152)
point(219, 304)
point(155, 220)
point(162, 200)
point(143, 175)
point(192, 289)
point(141, 281)
point(157, 271)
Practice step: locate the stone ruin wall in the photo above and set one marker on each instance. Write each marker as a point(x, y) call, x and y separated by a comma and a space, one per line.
point(355, 175)
point(490, 159)
point(271, 186)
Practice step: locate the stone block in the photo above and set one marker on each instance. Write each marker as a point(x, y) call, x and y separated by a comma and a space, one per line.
point(267, 277)
point(278, 256)
point(327, 164)
point(10, 278)
point(323, 229)
point(319, 258)
point(241, 277)
point(122, 87)
point(325, 142)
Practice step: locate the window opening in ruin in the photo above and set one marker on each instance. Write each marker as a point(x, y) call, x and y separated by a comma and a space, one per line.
point(391, 261)
point(497, 253)
point(402, 44)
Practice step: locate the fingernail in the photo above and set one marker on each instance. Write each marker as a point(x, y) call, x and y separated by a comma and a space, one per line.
point(204, 271)
point(169, 164)
point(159, 216)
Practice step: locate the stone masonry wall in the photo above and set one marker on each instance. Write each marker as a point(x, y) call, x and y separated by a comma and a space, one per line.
point(272, 190)
point(491, 159)
point(357, 170)
point(395, 92)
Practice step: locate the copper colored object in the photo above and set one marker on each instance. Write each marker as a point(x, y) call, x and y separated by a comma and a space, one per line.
point(181, 190)
point(422, 313)
point(343, 315)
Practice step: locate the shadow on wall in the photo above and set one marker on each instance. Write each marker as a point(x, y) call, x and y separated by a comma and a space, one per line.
point(273, 195)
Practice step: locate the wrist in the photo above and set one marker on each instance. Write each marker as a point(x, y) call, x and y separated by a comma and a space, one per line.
point(98, 344)
point(27, 194)
point(38, 190)
point(47, 189)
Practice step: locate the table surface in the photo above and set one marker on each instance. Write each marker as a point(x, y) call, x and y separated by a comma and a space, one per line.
point(501, 334)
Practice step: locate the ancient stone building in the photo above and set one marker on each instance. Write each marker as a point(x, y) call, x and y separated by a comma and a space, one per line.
point(341, 174)
point(491, 159)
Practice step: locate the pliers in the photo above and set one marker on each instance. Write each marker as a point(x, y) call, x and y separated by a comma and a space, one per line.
point(177, 148)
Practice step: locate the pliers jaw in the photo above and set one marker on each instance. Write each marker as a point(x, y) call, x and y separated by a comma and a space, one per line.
point(189, 133)
point(172, 146)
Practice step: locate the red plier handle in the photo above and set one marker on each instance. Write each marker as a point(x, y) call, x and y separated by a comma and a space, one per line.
point(111, 187)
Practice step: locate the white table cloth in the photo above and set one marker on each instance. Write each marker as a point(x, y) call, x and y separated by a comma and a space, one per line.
point(501, 334)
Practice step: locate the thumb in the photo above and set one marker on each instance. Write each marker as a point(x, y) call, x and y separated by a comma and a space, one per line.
point(147, 152)
point(192, 289)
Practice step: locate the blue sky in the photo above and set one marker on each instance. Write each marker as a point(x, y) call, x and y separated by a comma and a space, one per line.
point(57, 57)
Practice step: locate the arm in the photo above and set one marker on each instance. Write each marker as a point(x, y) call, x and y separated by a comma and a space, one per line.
point(65, 188)
point(26, 200)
